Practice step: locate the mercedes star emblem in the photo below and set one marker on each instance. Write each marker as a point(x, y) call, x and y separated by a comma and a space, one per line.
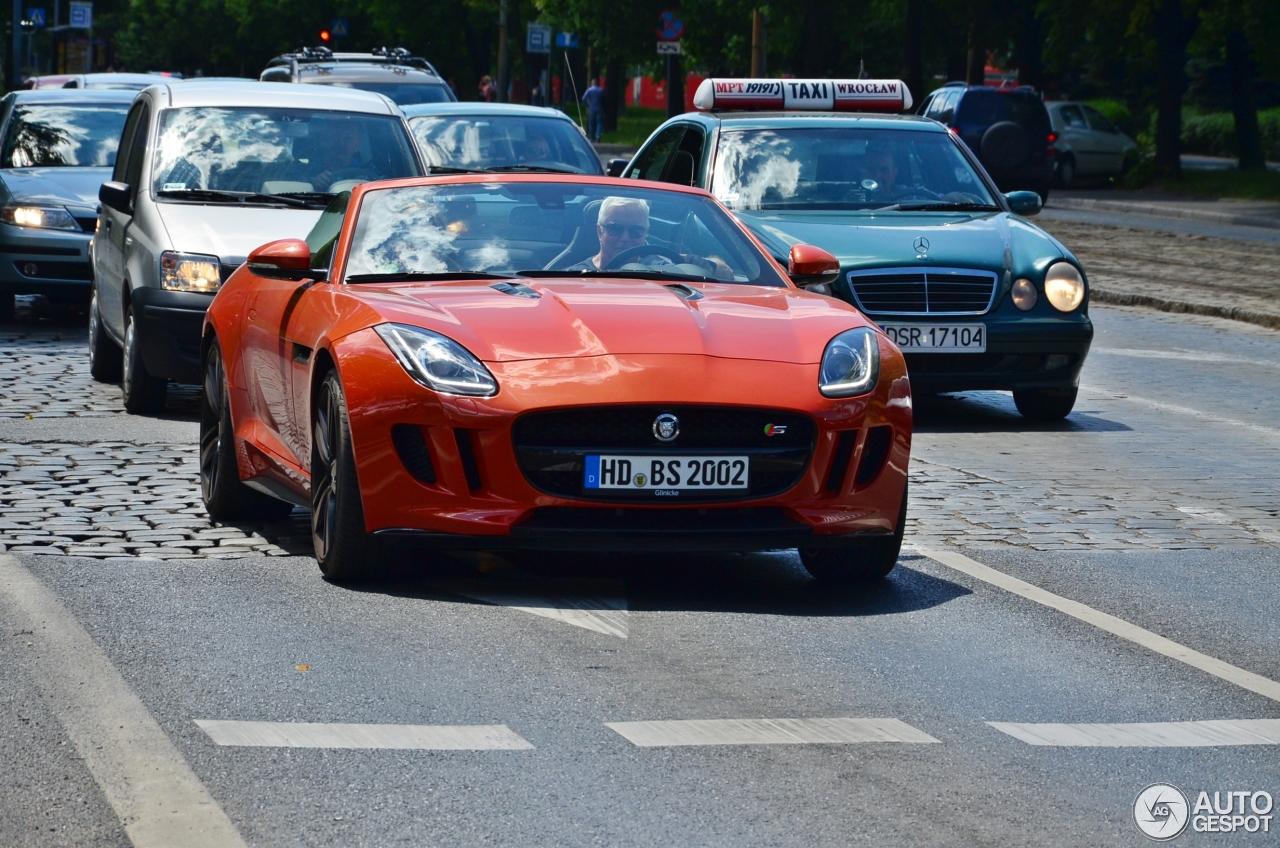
point(921, 244)
point(666, 427)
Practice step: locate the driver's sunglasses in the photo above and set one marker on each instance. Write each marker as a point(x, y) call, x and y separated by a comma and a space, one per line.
point(636, 231)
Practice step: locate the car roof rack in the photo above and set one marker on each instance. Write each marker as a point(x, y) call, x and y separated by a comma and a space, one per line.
point(376, 56)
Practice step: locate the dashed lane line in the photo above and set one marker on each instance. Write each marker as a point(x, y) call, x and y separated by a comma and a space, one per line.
point(1153, 734)
point(1104, 621)
point(605, 614)
point(1161, 406)
point(288, 734)
point(153, 791)
point(768, 731)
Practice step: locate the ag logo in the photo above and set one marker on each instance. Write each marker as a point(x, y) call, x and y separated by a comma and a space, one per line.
point(1160, 811)
point(921, 244)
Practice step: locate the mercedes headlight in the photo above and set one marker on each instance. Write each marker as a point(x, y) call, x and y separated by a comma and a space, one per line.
point(850, 364)
point(40, 217)
point(1063, 286)
point(190, 272)
point(438, 362)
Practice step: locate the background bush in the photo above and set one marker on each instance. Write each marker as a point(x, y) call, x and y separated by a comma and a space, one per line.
point(1214, 133)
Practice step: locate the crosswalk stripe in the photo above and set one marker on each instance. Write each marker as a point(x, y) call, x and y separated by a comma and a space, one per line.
point(607, 615)
point(768, 731)
point(289, 734)
point(1151, 734)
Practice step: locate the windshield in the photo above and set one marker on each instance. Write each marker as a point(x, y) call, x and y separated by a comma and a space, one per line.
point(551, 229)
point(402, 93)
point(843, 168)
point(277, 151)
point(475, 141)
point(46, 134)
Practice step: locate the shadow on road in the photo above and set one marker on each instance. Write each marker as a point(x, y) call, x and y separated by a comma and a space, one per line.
point(994, 412)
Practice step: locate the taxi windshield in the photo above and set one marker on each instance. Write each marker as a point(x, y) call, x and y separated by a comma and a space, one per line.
point(49, 134)
point(530, 229)
point(844, 168)
point(204, 151)
point(494, 141)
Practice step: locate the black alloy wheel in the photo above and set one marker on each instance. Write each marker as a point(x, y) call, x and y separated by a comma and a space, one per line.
point(855, 566)
point(225, 497)
point(143, 393)
point(343, 548)
point(1045, 404)
point(106, 360)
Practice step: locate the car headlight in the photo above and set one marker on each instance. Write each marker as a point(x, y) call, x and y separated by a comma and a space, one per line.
point(850, 364)
point(438, 362)
point(40, 217)
point(191, 272)
point(1064, 286)
point(1024, 294)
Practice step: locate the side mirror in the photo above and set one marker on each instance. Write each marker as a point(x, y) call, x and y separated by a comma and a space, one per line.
point(616, 167)
point(285, 259)
point(116, 196)
point(1023, 202)
point(812, 268)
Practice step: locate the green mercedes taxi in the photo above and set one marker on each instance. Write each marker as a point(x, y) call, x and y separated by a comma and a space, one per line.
point(977, 296)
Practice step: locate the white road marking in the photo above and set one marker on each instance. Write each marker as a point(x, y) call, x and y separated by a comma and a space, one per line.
point(153, 791)
point(425, 737)
point(1104, 621)
point(1182, 410)
point(1191, 355)
point(768, 731)
point(607, 615)
point(1152, 734)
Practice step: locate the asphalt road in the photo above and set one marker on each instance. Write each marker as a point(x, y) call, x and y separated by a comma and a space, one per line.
point(1148, 518)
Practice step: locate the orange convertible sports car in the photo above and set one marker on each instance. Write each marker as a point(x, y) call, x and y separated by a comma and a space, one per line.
point(552, 362)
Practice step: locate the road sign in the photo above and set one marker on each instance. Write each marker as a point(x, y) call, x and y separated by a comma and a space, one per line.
point(36, 16)
point(670, 28)
point(81, 16)
point(568, 40)
point(669, 48)
point(338, 29)
point(538, 39)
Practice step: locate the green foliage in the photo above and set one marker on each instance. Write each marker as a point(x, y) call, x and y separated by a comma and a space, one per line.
point(1116, 112)
point(1214, 134)
point(635, 125)
point(1244, 185)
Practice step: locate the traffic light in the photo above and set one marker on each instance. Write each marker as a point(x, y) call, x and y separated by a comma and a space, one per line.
point(325, 35)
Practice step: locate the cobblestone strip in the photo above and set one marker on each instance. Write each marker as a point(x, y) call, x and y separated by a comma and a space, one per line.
point(109, 500)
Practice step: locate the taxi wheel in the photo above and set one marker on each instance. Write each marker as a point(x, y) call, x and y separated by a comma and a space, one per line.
point(143, 394)
point(225, 497)
point(1045, 404)
point(343, 548)
point(106, 360)
point(858, 565)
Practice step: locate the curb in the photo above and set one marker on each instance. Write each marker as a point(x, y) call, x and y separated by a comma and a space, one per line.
point(1270, 320)
point(1158, 211)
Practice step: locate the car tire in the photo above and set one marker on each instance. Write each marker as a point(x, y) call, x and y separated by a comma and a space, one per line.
point(343, 548)
point(143, 393)
point(1045, 404)
point(1004, 146)
point(225, 497)
point(1065, 173)
point(106, 360)
point(858, 565)
point(6, 306)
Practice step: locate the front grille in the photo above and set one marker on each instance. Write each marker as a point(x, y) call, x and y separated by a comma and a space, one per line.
point(929, 291)
point(551, 446)
point(54, 270)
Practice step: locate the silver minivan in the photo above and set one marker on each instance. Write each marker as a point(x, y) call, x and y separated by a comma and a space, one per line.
point(206, 172)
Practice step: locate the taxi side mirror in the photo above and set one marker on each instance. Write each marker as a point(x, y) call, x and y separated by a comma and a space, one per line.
point(116, 196)
point(1023, 202)
point(812, 268)
point(616, 167)
point(285, 259)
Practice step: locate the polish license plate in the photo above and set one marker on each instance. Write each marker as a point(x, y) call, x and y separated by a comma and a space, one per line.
point(666, 475)
point(924, 338)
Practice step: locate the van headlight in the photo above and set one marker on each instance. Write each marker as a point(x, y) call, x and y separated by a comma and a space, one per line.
point(438, 362)
point(190, 272)
point(39, 217)
point(1063, 286)
point(850, 364)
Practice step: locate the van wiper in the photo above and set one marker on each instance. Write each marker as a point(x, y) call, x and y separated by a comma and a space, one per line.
point(224, 196)
point(532, 169)
point(938, 206)
point(445, 169)
point(313, 199)
point(426, 277)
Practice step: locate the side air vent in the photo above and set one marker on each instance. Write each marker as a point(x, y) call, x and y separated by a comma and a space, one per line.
point(411, 446)
point(468, 457)
point(874, 454)
point(840, 462)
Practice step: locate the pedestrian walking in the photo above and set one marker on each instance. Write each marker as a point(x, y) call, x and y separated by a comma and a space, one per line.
point(488, 91)
point(594, 98)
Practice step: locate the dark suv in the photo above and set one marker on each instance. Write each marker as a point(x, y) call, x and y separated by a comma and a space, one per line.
point(404, 78)
point(1008, 130)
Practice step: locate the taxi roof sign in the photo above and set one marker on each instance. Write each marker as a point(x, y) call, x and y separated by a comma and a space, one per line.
point(852, 95)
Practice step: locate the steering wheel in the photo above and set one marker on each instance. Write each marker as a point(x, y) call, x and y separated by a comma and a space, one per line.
point(642, 250)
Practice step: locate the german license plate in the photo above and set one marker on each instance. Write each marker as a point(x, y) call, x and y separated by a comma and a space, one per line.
point(924, 338)
point(666, 474)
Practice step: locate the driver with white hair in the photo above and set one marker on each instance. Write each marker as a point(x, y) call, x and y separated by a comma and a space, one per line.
point(623, 224)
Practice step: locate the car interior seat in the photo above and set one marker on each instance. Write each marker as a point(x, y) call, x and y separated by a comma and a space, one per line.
point(585, 242)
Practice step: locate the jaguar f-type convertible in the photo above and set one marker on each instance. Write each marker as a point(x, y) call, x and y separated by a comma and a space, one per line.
point(538, 361)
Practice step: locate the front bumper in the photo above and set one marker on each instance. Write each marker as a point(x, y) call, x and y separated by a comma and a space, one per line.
point(48, 262)
point(169, 325)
